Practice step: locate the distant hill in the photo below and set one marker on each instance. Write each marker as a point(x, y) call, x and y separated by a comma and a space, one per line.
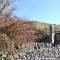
point(41, 25)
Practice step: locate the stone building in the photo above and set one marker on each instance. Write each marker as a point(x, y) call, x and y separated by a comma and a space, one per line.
point(55, 34)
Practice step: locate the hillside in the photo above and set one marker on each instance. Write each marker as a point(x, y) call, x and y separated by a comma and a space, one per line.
point(41, 25)
point(18, 32)
point(15, 32)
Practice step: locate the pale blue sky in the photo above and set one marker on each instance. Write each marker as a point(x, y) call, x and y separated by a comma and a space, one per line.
point(39, 10)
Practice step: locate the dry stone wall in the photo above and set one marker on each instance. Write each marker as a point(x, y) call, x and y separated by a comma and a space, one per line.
point(44, 53)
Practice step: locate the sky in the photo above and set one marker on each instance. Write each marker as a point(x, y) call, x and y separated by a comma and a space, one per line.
point(47, 11)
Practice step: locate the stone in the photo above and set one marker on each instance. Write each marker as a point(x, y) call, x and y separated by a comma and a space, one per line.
point(18, 59)
point(11, 57)
point(4, 55)
point(16, 56)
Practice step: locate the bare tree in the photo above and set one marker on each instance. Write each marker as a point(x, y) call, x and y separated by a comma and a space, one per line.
point(6, 7)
